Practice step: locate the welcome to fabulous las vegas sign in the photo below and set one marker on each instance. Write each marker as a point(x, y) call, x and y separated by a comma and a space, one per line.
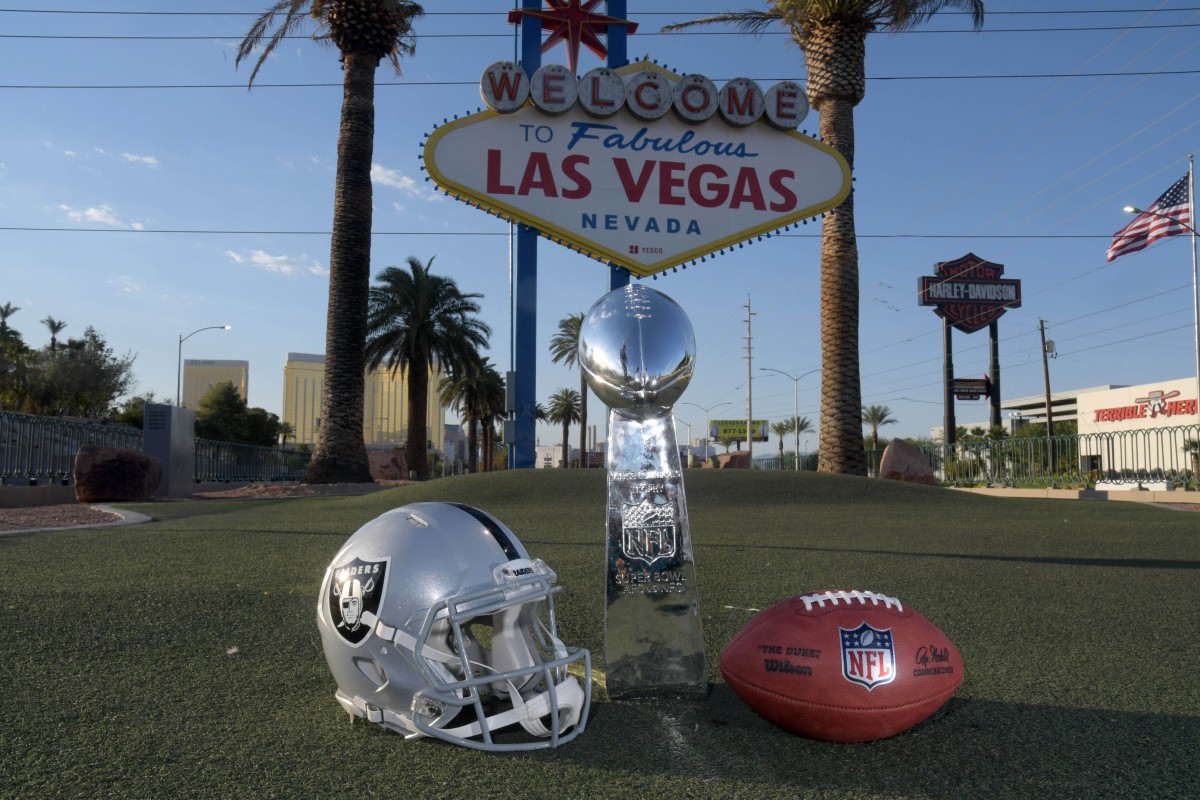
point(638, 166)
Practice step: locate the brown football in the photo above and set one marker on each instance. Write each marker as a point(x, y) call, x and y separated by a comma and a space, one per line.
point(843, 666)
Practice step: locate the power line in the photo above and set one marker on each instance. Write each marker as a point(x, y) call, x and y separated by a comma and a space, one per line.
point(406, 84)
point(914, 31)
point(237, 232)
point(948, 12)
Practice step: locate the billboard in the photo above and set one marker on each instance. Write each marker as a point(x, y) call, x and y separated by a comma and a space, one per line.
point(736, 429)
point(638, 167)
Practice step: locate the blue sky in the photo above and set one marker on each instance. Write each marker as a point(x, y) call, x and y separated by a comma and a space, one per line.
point(151, 211)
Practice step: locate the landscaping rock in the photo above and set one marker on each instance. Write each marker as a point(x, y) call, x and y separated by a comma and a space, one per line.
point(737, 460)
point(903, 462)
point(388, 465)
point(112, 474)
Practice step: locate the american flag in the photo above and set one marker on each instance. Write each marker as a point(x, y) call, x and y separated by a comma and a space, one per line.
point(1170, 214)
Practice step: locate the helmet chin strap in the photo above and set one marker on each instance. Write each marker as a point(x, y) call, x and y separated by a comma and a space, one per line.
point(566, 699)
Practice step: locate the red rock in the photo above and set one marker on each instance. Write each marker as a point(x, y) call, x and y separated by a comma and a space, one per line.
point(387, 465)
point(903, 462)
point(110, 473)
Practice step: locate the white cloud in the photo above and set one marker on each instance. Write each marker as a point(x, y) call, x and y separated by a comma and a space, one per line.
point(395, 179)
point(385, 176)
point(127, 284)
point(103, 213)
point(150, 161)
point(283, 264)
point(70, 153)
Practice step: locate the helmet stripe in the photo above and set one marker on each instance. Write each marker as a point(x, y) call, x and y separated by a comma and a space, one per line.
point(493, 527)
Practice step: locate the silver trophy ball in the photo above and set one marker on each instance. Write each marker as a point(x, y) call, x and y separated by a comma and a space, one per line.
point(637, 349)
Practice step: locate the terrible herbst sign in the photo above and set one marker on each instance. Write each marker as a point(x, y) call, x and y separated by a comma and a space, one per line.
point(969, 293)
point(637, 167)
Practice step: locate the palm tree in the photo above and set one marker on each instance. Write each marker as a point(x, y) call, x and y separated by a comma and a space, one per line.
point(56, 328)
point(564, 346)
point(491, 410)
point(365, 32)
point(286, 431)
point(1191, 446)
point(564, 408)
point(417, 320)
point(781, 429)
point(832, 35)
point(478, 393)
point(6, 311)
point(875, 417)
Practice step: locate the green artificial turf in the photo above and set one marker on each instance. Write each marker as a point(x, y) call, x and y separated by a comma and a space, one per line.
point(181, 658)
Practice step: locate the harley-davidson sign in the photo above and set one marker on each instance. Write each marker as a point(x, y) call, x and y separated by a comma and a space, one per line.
point(969, 292)
point(638, 167)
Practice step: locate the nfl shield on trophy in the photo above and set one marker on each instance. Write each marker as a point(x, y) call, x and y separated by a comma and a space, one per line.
point(638, 351)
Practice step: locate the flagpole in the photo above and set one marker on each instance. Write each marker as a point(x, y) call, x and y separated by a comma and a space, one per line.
point(1195, 275)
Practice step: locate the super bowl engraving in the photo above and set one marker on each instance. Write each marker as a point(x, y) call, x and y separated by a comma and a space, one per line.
point(638, 352)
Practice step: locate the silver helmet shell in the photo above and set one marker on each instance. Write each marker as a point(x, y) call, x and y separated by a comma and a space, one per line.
point(432, 611)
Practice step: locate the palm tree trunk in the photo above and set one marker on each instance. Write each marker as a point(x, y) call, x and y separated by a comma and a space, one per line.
point(472, 445)
point(341, 454)
point(415, 452)
point(566, 459)
point(487, 447)
point(841, 444)
point(583, 392)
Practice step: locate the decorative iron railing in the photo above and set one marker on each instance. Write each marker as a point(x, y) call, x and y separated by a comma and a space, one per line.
point(1129, 458)
point(1152, 455)
point(37, 449)
point(226, 462)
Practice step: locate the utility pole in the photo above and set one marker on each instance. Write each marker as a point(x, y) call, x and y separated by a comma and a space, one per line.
point(1049, 412)
point(749, 393)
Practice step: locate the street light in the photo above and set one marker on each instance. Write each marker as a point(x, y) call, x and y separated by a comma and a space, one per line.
point(689, 442)
point(179, 358)
point(1195, 282)
point(707, 431)
point(795, 405)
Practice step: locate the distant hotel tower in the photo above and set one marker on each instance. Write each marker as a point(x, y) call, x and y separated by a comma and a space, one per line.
point(200, 375)
point(385, 403)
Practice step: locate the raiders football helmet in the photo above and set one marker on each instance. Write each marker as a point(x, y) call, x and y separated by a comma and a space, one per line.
point(436, 608)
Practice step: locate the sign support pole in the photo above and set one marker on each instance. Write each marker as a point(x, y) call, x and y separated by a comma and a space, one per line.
point(618, 56)
point(948, 433)
point(525, 310)
point(994, 395)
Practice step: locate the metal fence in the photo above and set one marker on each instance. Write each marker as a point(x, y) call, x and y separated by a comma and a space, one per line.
point(37, 450)
point(1149, 456)
point(1153, 455)
point(242, 463)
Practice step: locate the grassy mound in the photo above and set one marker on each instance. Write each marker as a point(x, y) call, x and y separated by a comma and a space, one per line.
point(181, 658)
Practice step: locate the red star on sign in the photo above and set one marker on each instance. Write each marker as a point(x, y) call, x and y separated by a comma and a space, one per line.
point(573, 22)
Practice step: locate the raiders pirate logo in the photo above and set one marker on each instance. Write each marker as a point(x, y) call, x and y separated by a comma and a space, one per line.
point(354, 589)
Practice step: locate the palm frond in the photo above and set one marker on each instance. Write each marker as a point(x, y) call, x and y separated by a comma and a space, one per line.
point(752, 22)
